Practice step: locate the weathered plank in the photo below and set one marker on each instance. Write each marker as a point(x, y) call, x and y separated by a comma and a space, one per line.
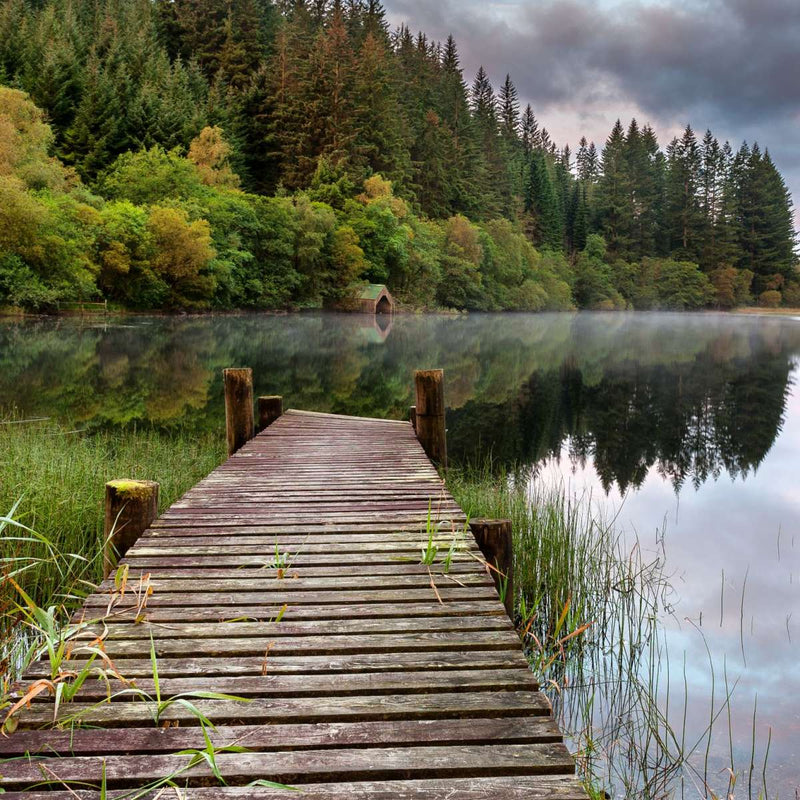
point(496, 788)
point(495, 680)
point(260, 738)
point(462, 705)
point(385, 677)
point(350, 764)
point(312, 664)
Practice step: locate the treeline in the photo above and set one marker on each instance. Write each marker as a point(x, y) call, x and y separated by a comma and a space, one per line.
point(291, 150)
point(163, 230)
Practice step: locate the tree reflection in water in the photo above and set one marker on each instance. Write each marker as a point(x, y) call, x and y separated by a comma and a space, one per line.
point(694, 395)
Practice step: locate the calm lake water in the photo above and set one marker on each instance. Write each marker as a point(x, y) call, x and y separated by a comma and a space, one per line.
point(686, 426)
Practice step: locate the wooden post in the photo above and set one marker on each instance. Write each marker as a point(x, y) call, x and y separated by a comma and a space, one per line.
point(412, 416)
point(238, 407)
point(430, 425)
point(496, 543)
point(269, 409)
point(131, 507)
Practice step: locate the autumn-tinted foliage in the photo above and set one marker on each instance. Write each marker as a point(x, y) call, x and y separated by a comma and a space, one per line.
point(322, 150)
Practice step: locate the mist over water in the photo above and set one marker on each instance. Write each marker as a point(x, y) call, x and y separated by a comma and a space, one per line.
point(687, 427)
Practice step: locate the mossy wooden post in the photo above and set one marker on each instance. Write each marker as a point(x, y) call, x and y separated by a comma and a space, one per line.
point(412, 416)
point(239, 423)
point(269, 409)
point(430, 425)
point(131, 507)
point(495, 541)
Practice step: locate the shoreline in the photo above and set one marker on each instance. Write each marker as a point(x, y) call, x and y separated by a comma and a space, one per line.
point(19, 314)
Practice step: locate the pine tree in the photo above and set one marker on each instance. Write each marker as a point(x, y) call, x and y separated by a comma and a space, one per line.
point(545, 143)
point(381, 137)
point(509, 111)
point(52, 71)
point(542, 204)
point(512, 148)
point(582, 159)
point(711, 196)
point(168, 108)
point(484, 104)
point(613, 203)
point(493, 183)
point(200, 28)
point(14, 32)
point(580, 217)
point(452, 107)
point(530, 131)
point(96, 135)
point(766, 230)
point(644, 167)
point(684, 214)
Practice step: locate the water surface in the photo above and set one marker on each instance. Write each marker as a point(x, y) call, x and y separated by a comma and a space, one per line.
point(686, 426)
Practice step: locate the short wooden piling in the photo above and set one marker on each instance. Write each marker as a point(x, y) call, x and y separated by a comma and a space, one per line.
point(131, 507)
point(412, 416)
point(496, 543)
point(430, 421)
point(239, 423)
point(270, 408)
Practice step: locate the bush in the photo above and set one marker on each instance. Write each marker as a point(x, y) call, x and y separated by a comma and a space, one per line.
point(791, 294)
point(770, 299)
point(20, 287)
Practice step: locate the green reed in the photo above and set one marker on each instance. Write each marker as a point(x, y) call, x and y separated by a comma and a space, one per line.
point(590, 605)
point(53, 477)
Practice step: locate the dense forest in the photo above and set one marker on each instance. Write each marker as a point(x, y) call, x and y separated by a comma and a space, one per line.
point(260, 154)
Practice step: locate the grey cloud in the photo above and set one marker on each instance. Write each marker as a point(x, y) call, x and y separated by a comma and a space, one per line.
point(732, 65)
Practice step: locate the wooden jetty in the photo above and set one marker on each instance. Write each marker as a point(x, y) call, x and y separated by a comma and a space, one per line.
point(292, 578)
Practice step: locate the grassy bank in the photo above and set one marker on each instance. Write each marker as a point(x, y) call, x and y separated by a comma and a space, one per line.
point(53, 478)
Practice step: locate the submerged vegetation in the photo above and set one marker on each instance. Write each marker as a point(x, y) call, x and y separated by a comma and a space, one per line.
point(258, 154)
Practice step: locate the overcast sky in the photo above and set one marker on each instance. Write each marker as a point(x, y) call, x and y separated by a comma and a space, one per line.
point(729, 65)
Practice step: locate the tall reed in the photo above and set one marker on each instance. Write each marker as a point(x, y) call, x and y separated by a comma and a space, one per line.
point(52, 477)
point(590, 605)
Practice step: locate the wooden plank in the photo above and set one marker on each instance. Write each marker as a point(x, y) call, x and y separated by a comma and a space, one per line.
point(323, 613)
point(347, 664)
point(268, 584)
point(273, 738)
point(495, 788)
point(444, 591)
point(311, 685)
point(285, 628)
point(319, 645)
point(385, 678)
point(351, 764)
point(462, 705)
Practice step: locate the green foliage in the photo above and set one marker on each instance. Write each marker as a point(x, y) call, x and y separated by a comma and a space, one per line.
point(150, 176)
point(59, 473)
point(595, 286)
point(20, 287)
point(225, 110)
point(668, 284)
point(732, 286)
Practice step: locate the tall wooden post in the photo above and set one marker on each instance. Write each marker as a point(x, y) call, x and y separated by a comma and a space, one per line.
point(269, 409)
point(131, 507)
point(496, 543)
point(238, 407)
point(412, 416)
point(430, 424)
